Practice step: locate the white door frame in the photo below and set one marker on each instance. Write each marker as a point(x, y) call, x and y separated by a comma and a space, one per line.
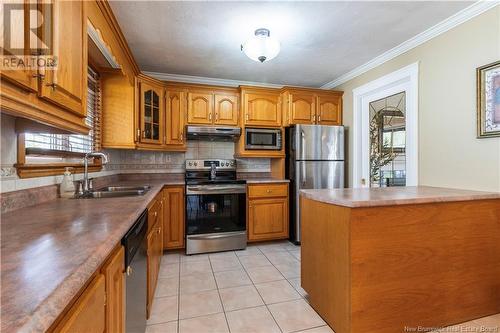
point(404, 79)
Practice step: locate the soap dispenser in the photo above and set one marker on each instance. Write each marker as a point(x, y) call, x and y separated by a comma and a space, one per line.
point(67, 185)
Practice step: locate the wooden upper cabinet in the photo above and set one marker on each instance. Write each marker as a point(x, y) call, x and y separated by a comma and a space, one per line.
point(151, 113)
point(302, 108)
point(173, 218)
point(118, 111)
point(311, 106)
point(66, 85)
point(329, 110)
point(200, 108)
point(26, 77)
point(261, 107)
point(226, 109)
point(175, 117)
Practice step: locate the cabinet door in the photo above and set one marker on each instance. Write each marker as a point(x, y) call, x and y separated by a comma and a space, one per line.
point(115, 292)
point(175, 118)
point(152, 272)
point(267, 219)
point(226, 109)
point(173, 219)
point(25, 77)
point(151, 114)
point(302, 109)
point(262, 109)
point(329, 111)
point(66, 86)
point(200, 108)
point(88, 314)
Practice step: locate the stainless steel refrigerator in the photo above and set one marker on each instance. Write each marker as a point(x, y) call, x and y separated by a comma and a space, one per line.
point(315, 160)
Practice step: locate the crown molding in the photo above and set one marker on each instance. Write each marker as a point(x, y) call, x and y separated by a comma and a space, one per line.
point(208, 80)
point(460, 17)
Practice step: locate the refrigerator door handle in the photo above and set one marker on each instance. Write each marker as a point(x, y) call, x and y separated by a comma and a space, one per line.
point(303, 145)
point(303, 173)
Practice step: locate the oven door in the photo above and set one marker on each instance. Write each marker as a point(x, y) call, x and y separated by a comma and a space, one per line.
point(260, 138)
point(215, 208)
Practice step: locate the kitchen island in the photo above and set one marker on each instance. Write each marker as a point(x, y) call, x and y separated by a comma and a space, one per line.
point(400, 259)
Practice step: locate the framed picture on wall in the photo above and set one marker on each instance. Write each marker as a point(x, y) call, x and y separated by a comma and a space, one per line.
point(488, 100)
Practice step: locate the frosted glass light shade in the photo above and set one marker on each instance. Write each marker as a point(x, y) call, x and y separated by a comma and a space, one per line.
point(261, 47)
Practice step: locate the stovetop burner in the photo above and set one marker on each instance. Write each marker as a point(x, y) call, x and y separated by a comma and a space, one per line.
point(215, 171)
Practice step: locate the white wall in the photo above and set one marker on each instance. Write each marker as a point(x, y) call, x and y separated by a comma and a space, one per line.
point(450, 155)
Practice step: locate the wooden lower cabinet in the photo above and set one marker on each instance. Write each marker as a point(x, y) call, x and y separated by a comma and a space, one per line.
point(154, 241)
point(267, 212)
point(114, 271)
point(101, 306)
point(173, 218)
point(88, 314)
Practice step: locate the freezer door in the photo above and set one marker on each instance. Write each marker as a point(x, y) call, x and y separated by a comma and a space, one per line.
point(319, 174)
point(312, 175)
point(319, 142)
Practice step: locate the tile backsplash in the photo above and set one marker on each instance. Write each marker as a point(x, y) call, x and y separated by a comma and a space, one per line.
point(136, 161)
point(147, 161)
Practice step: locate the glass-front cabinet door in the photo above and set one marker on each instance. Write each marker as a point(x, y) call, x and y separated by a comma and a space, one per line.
point(151, 119)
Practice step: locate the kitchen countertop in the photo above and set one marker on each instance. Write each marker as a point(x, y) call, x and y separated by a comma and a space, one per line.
point(388, 196)
point(265, 180)
point(49, 251)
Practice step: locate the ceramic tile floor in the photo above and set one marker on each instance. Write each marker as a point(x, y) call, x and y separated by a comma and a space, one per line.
point(256, 290)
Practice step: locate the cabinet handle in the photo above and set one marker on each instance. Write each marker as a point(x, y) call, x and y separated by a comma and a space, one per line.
point(210, 116)
point(138, 134)
point(319, 117)
point(216, 116)
point(246, 116)
point(269, 191)
point(182, 136)
point(156, 214)
point(52, 85)
point(129, 270)
point(314, 118)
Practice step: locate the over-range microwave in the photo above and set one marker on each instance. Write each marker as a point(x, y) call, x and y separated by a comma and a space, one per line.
point(263, 138)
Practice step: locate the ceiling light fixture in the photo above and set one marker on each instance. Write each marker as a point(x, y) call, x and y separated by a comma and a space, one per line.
point(261, 47)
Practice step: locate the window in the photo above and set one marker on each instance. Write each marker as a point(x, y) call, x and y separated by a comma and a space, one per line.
point(53, 152)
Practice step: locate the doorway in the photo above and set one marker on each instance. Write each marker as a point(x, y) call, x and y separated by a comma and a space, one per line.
point(385, 130)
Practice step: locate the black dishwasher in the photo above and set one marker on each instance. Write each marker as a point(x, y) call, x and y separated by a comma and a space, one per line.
point(135, 245)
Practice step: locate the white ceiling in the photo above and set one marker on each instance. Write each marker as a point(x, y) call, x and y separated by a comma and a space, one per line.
point(319, 40)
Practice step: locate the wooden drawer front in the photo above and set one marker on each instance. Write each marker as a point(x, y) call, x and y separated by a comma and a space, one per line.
point(267, 191)
point(154, 212)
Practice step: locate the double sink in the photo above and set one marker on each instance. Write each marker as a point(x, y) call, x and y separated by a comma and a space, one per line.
point(118, 191)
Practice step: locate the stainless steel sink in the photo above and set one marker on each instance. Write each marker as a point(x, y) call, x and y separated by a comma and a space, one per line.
point(125, 188)
point(114, 194)
point(116, 191)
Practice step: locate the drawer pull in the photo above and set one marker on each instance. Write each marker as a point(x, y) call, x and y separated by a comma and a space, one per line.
point(269, 191)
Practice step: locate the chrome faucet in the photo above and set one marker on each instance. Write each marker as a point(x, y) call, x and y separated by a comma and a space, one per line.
point(86, 187)
point(213, 171)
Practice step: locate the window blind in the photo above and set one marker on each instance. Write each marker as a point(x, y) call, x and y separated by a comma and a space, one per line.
point(72, 144)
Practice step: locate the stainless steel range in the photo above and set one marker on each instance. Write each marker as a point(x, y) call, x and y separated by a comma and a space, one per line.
point(215, 207)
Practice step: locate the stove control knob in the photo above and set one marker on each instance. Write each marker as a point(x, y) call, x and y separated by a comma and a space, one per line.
point(195, 163)
point(232, 163)
point(190, 163)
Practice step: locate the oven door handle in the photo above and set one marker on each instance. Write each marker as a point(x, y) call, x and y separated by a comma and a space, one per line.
point(218, 236)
